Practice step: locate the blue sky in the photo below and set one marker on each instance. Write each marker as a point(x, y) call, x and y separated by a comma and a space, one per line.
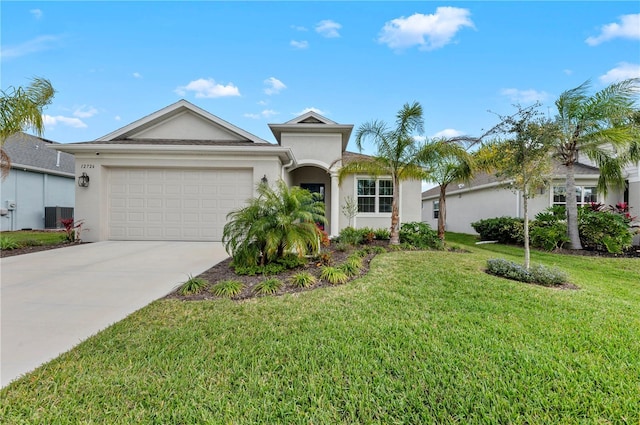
point(254, 63)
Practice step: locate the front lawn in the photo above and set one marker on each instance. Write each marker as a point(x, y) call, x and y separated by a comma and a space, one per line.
point(36, 237)
point(425, 337)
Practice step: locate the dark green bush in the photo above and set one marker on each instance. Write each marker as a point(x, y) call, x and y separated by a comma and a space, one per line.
point(604, 231)
point(419, 235)
point(382, 234)
point(507, 230)
point(351, 236)
point(548, 235)
point(536, 274)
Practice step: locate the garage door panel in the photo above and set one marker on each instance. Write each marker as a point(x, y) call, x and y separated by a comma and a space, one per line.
point(174, 204)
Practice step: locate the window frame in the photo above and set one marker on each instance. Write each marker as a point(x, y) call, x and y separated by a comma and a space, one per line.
point(581, 190)
point(379, 192)
point(436, 209)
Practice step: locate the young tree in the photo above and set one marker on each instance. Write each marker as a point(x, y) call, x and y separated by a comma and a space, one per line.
point(446, 161)
point(21, 110)
point(524, 157)
point(600, 127)
point(396, 155)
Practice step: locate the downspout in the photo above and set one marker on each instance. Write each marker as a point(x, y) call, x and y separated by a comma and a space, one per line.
point(284, 167)
point(518, 203)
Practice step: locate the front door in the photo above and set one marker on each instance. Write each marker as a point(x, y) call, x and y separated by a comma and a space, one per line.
point(315, 188)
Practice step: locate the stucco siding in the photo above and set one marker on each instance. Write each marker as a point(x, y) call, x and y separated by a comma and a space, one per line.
point(314, 149)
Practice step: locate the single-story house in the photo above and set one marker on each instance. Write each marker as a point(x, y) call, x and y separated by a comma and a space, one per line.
point(40, 187)
point(487, 196)
point(176, 174)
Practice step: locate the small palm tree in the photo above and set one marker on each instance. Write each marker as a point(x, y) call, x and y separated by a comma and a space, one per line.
point(599, 127)
point(274, 223)
point(446, 161)
point(395, 157)
point(21, 110)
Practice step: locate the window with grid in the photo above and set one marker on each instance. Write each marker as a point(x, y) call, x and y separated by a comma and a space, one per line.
point(584, 195)
point(436, 209)
point(374, 195)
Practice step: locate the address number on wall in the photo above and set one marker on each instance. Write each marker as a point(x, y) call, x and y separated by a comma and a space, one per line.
point(87, 166)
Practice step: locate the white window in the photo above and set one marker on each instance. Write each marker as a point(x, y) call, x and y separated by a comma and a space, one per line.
point(436, 209)
point(374, 195)
point(584, 195)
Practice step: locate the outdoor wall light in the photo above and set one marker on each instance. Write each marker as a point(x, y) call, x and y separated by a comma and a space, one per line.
point(83, 180)
point(264, 179)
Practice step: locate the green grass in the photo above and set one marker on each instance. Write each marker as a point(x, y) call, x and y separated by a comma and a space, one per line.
point(424, 337)
point(35, 238)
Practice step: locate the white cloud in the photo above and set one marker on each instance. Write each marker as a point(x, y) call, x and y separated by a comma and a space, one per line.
point(448, 132)
point(629, 27)
point(117, 118)
point(567, 71)
point(137, 75)
point(328, 28)
point(262, 102)
point(304, 44)
point(59, 119)
point(85, 111)
point(623, 71)
point(311, 109)
point(299, 28)
point(274, 86)
point(43, 42)
point(37, 13)
point(525, 96)
point(208, 89)
point(264, 114)
point(430, 32)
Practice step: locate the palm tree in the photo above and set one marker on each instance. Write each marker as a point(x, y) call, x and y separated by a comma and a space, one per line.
point(396, 155)
point(599, 127)
point(446, 161)
point(21, 110)
point(274, 223)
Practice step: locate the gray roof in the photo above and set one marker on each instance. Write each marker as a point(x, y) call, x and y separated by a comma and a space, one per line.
point(176, 142)
point(482, 178)
point(34, 153)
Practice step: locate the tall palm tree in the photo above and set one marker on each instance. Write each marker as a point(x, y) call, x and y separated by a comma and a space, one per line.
point(21, 110)
point(599, 127)
point(396, 155)
point(446, 161)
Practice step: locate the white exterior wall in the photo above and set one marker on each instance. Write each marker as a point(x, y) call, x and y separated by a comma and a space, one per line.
point(32, 192)
point(314, 149)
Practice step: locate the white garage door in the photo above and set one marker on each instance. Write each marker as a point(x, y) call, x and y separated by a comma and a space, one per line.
point(174, 204)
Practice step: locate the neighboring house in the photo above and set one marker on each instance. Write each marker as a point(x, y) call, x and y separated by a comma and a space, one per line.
point(486, 196)
point(39, 177)
point(177, 173)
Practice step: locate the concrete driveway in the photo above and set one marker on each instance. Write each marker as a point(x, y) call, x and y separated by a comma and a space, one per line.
point(52, 300)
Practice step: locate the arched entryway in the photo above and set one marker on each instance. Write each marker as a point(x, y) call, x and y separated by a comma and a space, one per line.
point(316, 179)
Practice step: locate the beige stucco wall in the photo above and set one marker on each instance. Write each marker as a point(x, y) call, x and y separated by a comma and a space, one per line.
point(314, 149)
point(92, 203)
point(409, 205)
point(186, 126)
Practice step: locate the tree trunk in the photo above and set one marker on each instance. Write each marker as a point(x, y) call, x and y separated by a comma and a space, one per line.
point(395, 215)
point(442, 213)
point(572, 209)
point(525, 207)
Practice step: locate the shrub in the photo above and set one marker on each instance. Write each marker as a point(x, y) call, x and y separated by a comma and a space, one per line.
point(604, 231)
point(382, 234)
point(342, 247)
point(193, 285)
point(536, 274)
point(334, 275)
point(351, 236)
point(352, 266)
point(277, 222)
point(324, 259)
point(356, 260)
point(303, 280)
point(7, 243)
point(548, 235)
point(419, 235)
point(379, 250)
point(266, 270)
point(227, 288)
point(508, 230)
point(268, 286)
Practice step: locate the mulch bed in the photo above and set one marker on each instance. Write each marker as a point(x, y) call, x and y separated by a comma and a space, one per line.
point(223, 271)
point(29, 249)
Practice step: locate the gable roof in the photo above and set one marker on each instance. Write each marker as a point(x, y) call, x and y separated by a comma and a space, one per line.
point(181, 108)
point(33, 153)
point(312, 122)
point(482, 180)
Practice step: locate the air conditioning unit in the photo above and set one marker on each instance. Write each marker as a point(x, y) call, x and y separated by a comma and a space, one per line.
point(53, 215)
